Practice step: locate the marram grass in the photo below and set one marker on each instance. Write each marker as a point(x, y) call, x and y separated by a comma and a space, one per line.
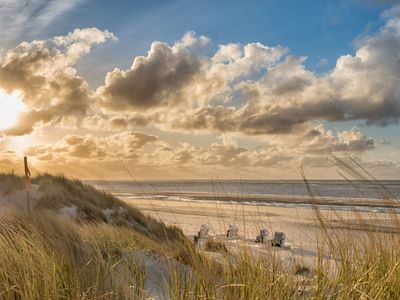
point(45, 256)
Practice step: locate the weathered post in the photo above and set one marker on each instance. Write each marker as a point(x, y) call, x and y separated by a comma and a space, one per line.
point(27, 184)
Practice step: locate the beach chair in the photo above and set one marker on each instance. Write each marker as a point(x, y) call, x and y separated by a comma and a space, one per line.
point(202, 233)
point(233, 231)
point(279, 239)
point(263, 237)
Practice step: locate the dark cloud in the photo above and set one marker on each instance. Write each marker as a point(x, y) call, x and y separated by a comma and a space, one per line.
point(177, 78)
point(155, 80)
point(130, 122)
point(209, 118)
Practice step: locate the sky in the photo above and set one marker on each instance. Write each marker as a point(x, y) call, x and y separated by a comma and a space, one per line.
point(200, 89)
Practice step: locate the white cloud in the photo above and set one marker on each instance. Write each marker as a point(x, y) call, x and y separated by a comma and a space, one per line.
point(257, 89)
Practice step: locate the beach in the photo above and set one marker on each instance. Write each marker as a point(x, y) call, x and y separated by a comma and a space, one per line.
point(337, 209)
point(300, 225)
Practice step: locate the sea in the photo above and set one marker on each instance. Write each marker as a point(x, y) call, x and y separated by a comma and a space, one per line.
point(263, 192)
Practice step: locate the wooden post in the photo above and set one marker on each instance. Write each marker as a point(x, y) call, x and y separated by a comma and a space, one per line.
point(27, 185)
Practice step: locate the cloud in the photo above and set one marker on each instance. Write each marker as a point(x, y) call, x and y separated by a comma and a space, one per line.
point(43, 72)
point(88, 147)
point(97, 122)
point(158, 79)
point(251, 89)
point(362, 87)
point(20, 18)
point(237, 90)
point(176, 77)
point(149, 152)
point(318, 140)
point(255, 89)
point(194, 86)
point(8, 160)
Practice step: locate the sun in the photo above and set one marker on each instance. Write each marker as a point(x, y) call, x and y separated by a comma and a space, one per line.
point(11, 106)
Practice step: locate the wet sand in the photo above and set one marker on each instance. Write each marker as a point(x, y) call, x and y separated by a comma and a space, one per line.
point(263, 199)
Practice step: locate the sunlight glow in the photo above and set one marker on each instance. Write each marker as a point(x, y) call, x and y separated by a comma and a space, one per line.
point(11, 106)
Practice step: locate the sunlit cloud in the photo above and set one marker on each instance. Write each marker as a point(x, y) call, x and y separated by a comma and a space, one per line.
point(256, 89)
point(44, 74)
point(261, 92)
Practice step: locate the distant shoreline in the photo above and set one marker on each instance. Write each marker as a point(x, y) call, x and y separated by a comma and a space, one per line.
point(262, 199)
point(334, 193)
point(217, 181)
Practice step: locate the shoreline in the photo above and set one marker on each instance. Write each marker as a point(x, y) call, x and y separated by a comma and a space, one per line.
point(322, 202)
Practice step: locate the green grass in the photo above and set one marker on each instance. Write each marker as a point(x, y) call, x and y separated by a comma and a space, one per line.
point(47, 256)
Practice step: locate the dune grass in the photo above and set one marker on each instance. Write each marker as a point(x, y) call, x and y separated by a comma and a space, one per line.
point(10, 182)
point(48, 256)
point(43, 257)
point(58, 191)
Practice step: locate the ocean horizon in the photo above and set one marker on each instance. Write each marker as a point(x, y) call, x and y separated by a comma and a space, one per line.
point(327, 194)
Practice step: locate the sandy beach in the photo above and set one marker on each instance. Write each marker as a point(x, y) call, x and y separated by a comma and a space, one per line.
point(299, 224)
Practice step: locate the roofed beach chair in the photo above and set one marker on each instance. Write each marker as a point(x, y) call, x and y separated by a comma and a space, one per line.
point(233, 231)
point(279, 239)
point(263, 237)
point(202, 233)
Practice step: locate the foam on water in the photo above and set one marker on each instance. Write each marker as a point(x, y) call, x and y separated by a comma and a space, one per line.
point(251, 192)
point(374, 209)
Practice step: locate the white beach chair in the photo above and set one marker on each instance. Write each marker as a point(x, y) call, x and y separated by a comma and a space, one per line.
point(233, 231)
point(279, 239)
point(204, 230)
point(263, 237)
point(202, 233)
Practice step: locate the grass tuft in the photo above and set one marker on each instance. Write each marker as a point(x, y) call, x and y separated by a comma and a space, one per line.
point(215, 246)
